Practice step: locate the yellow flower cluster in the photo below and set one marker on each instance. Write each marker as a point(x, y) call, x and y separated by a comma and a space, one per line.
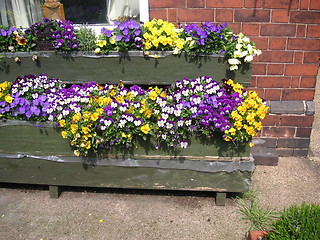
point(161, 35)
point(247, 117)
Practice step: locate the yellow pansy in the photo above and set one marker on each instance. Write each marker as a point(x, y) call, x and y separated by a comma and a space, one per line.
point(86, 115)
point(76, 117)
point(85, 130)
point(88, 145)
point(120, 99)
point(8, 98)
point(102, 43)
point(74, 128)
point(94, 116)
point(145, 128)
point(64, 134)
point(153, 95)
point(62, 123)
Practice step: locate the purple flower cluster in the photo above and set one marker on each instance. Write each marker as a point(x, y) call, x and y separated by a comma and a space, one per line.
point(61, 34)
point(64, 37)
point(8, 32)
point(67, 101)
point(128, 35)
point(30, 97)
point(209, 37)
point(195, 106)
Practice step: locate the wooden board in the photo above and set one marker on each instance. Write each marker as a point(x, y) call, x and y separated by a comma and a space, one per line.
point(132, 68)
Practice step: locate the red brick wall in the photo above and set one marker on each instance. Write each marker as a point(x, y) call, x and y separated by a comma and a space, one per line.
point(287, 32)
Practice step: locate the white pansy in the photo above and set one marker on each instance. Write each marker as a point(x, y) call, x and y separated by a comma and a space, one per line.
point(239, 46)
point(233, 61)
point(233, 67)
point(248, 58)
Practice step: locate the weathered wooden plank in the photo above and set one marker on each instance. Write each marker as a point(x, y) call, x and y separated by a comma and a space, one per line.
point(25, 138)
point(133, 68)
point(38, 171)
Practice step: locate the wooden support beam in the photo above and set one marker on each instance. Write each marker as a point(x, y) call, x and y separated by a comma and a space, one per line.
point(221, 198)
point(54, 191)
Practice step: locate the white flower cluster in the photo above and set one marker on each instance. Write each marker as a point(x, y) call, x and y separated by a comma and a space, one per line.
point(245, 50)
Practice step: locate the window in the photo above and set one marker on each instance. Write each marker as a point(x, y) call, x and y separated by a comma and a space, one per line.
point(94, 12)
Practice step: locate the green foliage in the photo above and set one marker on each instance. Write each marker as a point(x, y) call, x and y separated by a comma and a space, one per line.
point(301, 223)
point(258, 217)
point(86, 38)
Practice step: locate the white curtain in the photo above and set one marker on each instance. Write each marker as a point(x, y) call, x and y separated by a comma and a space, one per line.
point(118, 8)
point(20, 13)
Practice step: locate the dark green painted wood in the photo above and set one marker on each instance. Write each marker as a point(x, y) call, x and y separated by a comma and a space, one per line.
point(47, 141)
point(133, 68)
point(221, 198)
point(36, 171)
point(54, 191)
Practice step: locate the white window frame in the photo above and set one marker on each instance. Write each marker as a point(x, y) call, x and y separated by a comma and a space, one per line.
point(144, 17)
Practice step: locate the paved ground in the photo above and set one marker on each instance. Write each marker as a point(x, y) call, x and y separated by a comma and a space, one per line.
point(28, 213)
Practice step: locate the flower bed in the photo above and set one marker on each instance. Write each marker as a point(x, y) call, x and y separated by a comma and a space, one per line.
point(190, 134)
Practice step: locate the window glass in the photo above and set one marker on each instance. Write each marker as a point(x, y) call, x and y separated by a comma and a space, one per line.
point(26, 12)
point(84, 11)
point(99, 11)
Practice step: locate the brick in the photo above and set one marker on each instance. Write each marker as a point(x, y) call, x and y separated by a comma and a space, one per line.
point(275, 69)
point(253, 83)
point(253, 3)
point(295, 82)
point(265, 156)
point(158, 14)
point(224, 15)
point(307, 17)
point(298, 57)
point(311, 57)
point(301, 30)
point(285, 152)
point(281, 4)
point(304, 4)
point(261, 42)
point(301, 69)
point(278, 30)
point(271, 120)
point(297, 94)
point(280, 16)
point(251, 29)
point(272, 94)
point(313, 31)
point(308, 82)
point(278, 131)
point(195, 15)
point(195, 3)
point(293, 142)
point(303, 132)
point(314, 5)
point(287, 107)
point(278, 43)
point(224, 3)
point(273, 82)
point(259, 69)
point(310, 108)
point(276, 56)
point(264, 142)
point(236, 27)
point(300, 152)
point(172, 15)
point(250, 15)
point(167, 4)
point(297, 121)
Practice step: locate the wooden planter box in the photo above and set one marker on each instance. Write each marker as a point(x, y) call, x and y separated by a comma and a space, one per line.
point(39, 155)
point(33, 153)
point(133, 68)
